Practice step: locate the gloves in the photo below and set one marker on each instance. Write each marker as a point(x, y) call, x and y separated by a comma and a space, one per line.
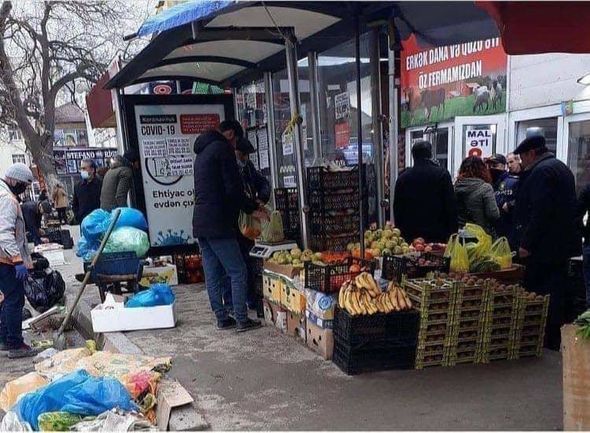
point(21, 272)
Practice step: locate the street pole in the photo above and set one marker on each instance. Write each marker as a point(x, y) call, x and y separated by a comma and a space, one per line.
point(393, 124)
point(359, 119)
point(315, 103)
point(270, 128)
point(291, 53)
point(377, 126)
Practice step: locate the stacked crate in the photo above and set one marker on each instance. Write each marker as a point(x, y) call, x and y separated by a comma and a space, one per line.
point(334, 219)
point(435, 300)
point(287, 203)
point(529, 325)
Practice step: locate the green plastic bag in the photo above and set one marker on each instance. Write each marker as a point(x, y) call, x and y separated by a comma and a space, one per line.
point(457, 252)
point(272, 230)
point(57, 421)
point(126, 239)
point(501, 253)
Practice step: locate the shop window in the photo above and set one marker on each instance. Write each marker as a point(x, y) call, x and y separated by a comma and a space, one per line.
point(549, 126)
point(579, 152)
point(19, 157)
point(285, 147)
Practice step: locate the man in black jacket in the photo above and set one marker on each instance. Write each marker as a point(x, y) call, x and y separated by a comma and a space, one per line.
point(546, 227)
point(424, 200)
point(219, 197)
point(87, 191)
point(583, 209)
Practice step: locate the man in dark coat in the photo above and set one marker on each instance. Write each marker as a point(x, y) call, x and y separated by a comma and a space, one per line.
point(219, 197)
point(87, 191)
point(32, 215)
point(583, 209)
point(424, 200)
point(547, 231)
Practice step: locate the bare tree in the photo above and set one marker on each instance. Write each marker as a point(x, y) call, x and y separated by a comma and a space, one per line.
point(48, 48)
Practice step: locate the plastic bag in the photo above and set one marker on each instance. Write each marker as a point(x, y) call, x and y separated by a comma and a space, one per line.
point(17, 387)
point(457, 252)
point(249, 226)
point(87, 249)
point(115, 420)
point(77, 393)
point(44, 290)
point(126, 239)
point(157, 294)
point(481, 248)
point(120, 365)
point(57, 421)
point(272, 230)
point(501, 253)
point(61, 363)
point(130, 217)
point(11, 423)
point(95, 224)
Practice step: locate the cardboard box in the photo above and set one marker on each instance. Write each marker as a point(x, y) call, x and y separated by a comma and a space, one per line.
point(576, 380)
point(324, 324)
point(161, 274)
point(292, 298)
point(320, 340)
point(286, 270)
point(279, 316)
point(171, 395)
point(113, 316)
point(268, 314)
point(322, 305)
point(272, 287)
point(296, 325)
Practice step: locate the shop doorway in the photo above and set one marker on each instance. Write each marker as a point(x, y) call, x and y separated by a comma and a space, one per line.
point(441, 137)
point(577, 137)
point(481, 136)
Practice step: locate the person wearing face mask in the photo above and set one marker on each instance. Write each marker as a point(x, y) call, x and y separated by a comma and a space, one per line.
point(87, 191)
point(505, 185)
point(15, 260)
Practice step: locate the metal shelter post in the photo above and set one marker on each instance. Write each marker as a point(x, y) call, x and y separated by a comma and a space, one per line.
point(314, 95)
point(377, 127)
point(270, 126)
point(359, 122)
point(291, 53)
point(393, 123)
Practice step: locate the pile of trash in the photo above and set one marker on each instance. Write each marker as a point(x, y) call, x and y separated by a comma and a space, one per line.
point(129, 233)
point(85, 390)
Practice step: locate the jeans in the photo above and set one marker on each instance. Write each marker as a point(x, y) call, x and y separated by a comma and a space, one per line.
point(222, 257)
point(252, 299)
point(549, 279)
point(11, 309)
point(586, 268)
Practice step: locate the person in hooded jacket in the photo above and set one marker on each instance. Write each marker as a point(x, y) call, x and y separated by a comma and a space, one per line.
point(118, 181)
point(219, 197)
point(476, 202)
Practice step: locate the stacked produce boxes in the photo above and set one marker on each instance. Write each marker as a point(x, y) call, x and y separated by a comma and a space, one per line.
point(334, 219)
point(529, 325)
point(287, 203)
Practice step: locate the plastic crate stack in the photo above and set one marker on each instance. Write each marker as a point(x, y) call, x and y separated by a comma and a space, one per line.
point(529, 325)
point(334, 219)
point(287, 203)
point(376, 342)
point(393, 268)
point(329, 278)
point(434, 299)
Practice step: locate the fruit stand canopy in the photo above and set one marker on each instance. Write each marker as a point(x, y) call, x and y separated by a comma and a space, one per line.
point(230, 43)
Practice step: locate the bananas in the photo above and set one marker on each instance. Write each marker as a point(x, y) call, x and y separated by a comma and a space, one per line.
point(363, 296)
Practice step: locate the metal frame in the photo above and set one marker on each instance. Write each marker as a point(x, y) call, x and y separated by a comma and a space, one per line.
point(377, 126)
point(270, 124)
point(314, 95)
point(393, 126)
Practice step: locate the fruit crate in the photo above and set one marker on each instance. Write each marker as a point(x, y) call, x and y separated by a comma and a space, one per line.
point(333, 223)
point(430, 359)
point(322, 179)
point(372, 357)
point(335, 243)
point(396, 267)
point(399, 328)
point(286, 198)
point(431, 296)
point(531, 310)
point(329, 278)
point(322, 201)
point(287, 203)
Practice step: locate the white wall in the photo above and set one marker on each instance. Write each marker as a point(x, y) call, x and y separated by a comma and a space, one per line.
point(6, 152)
point(545, 79)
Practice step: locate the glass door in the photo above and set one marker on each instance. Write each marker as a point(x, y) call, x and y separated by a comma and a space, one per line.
point(577, 137)
point(441, 138)
point(481, 136)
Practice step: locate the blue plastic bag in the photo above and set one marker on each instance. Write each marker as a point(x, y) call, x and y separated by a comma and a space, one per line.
point(95, 224)
point(127, 239)
point(77, 393)
point(157, 294)
point(130, 217)
point(87, 249)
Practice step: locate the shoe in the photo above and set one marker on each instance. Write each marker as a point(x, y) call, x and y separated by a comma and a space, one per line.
point(24, 351)
point(3, 347)
point(248, 325)
point(228, 323)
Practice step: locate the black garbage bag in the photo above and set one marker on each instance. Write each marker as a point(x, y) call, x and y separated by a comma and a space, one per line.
point(44, 289)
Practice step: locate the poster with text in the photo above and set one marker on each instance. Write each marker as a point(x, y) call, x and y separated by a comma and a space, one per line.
point(166, 134)
point(439, 83)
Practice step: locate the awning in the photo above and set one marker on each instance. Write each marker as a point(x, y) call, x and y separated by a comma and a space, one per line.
point(245, 39)
point(542, 27)
point(100, 106)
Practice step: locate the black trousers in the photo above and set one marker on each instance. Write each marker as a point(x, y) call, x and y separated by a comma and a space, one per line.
point(61, 212)
point(549, 279)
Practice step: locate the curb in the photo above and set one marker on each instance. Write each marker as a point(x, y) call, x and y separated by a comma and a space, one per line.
point(185, 418)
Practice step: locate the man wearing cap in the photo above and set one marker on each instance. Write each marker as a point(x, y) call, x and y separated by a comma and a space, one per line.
point(546, 228)
point(505, 185)
point(14, 260)
point(118, 180)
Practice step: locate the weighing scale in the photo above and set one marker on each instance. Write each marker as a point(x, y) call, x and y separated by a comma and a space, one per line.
point(263, 250)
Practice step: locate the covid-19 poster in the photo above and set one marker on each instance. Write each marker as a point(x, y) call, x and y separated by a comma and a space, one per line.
point(165, 135)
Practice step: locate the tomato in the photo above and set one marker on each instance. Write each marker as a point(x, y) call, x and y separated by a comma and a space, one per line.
point(354, 269)
point(419, 247)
